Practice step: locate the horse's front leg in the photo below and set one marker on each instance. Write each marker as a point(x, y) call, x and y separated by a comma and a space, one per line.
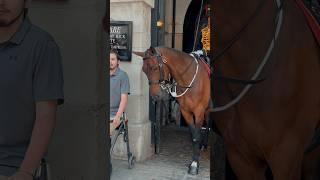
point(196, 139)
point(195, 129)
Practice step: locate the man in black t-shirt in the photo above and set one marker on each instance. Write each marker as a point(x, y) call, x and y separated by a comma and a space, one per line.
point(31, 83)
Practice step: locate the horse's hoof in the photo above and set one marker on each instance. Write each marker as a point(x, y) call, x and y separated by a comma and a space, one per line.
point(193, 168)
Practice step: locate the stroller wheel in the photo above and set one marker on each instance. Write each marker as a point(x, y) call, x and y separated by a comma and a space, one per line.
point(131, 161)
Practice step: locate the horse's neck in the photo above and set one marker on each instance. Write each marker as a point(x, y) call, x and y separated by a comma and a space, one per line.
point(241, 61)
point(246, 52)
point(249, 49)
point(181, 68)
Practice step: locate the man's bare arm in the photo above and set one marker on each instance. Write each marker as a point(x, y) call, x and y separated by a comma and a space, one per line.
point(122, 106)
point(41, 135)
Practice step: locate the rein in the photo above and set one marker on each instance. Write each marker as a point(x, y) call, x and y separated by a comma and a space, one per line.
point(279, 20)
point(237, 36)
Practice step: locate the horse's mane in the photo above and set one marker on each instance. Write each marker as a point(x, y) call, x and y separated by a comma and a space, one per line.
point(173, 52)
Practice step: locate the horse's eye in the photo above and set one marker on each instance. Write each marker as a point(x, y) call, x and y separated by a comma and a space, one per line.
point(154, 68)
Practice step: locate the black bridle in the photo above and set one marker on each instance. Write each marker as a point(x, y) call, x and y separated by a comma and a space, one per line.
point(160, 65)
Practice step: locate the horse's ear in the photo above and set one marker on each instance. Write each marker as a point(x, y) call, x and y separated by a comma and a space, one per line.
point(141, 54)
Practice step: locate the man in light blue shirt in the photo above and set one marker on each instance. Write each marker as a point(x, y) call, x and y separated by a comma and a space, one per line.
point(119, 90)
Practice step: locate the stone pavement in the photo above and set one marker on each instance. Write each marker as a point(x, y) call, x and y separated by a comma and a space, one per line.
point(170, 164)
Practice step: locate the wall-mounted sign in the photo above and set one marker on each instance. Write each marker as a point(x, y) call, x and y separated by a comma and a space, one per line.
point(121, 38)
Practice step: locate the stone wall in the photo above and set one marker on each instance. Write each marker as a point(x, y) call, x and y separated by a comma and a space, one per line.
point(139, 12)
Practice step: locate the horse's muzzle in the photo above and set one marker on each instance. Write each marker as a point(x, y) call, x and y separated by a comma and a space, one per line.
point(161, 95)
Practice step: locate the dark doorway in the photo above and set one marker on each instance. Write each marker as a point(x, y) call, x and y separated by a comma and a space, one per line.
point(190, 24)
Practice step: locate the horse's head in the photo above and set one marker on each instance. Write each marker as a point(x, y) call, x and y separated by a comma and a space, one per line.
point(156, 72)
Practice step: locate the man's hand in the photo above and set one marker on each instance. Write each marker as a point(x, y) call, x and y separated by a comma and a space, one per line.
point(21, 175)
point(115, 123)
point(116, 120)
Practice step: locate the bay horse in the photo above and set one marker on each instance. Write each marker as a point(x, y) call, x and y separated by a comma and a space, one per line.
point(192, 84)
point(268, 125)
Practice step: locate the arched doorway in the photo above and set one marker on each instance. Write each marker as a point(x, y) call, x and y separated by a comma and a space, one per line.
point(191, 23)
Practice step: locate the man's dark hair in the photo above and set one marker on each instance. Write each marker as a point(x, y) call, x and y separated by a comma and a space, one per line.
point(114, 51)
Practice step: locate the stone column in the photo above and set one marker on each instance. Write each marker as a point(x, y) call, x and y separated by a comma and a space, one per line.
point(138, 11)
